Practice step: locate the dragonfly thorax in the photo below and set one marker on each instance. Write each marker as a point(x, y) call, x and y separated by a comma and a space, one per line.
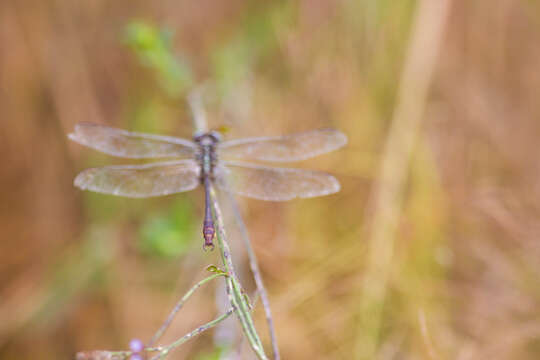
point(206, 154)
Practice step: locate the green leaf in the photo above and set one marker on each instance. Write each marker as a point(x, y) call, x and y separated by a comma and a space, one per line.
point(214, 269)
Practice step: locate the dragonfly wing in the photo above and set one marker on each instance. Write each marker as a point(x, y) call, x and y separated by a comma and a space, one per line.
point(292, 147)
point(128, 144)
point(140, 181)
point(273, 184)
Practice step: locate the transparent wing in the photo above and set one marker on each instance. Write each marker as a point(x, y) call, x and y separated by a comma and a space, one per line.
point(139, 181)
point(292, 147)
point(128, 144)
point(273, 184)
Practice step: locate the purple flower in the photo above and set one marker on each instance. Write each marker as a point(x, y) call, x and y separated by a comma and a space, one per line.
point(136, 346)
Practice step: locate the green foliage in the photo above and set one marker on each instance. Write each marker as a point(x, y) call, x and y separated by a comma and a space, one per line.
point(153, 48)
point(168, 234)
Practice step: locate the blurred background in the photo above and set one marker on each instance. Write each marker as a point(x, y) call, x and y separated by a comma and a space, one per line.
point(430, 251)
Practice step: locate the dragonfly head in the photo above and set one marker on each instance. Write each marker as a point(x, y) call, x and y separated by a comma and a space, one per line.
point(207, 138)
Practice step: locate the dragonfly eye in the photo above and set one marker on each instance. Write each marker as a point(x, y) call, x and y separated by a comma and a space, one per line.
point(212, 136)
point(198, 136)
point(216, 135)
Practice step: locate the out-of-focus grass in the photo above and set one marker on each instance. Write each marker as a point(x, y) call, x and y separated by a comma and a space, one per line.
point(83, 271)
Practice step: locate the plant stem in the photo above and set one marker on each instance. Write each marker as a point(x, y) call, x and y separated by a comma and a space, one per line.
point(178, 306)
point(165, 350)
point(254, 266)
point(234, 289)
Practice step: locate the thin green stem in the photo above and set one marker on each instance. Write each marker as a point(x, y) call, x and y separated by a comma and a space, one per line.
point(234, 289)
point(254, 266)
point(116, 355)
point(179, 305)
point(103, 354)
point(164, 351)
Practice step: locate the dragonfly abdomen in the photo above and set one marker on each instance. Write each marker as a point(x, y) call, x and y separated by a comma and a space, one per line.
point(208, 234)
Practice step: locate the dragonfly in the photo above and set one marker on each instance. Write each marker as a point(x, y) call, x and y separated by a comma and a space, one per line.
point(206, 160)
